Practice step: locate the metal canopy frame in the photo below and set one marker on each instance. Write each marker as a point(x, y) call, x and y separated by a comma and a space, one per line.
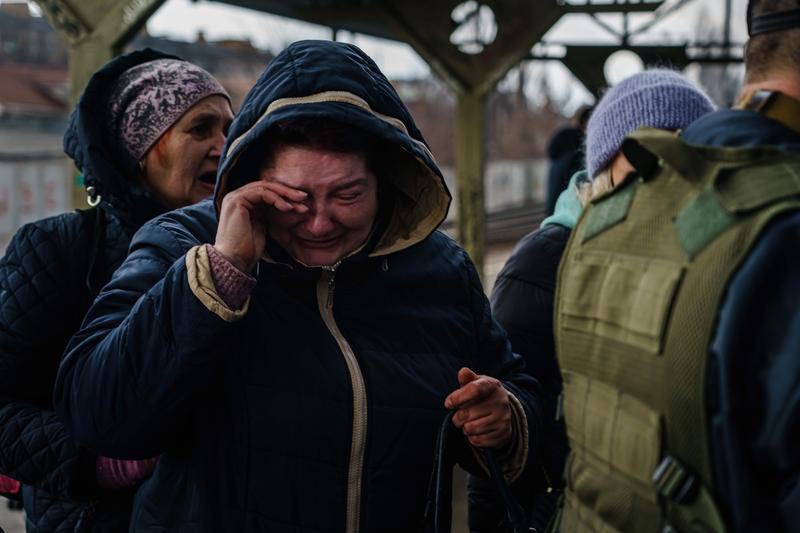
point(586, 62)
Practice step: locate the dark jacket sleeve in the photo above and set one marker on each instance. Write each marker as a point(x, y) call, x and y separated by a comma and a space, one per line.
point(148, 347)
point(523, 298)
point(495, 358)
point(522, 301)
point(754, 386)
point(38, 308)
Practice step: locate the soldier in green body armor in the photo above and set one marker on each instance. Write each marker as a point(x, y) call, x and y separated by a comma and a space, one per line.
point(677, 318)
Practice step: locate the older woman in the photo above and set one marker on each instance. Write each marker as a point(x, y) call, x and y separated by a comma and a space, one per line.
point(147, 135)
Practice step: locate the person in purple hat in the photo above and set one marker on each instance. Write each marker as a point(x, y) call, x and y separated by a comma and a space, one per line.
point(147, 135)
point(657, 98)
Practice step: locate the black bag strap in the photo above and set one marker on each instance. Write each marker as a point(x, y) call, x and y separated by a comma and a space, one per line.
point(438, 511)
point(96, 221)
point(515, 514)
point(439, 507)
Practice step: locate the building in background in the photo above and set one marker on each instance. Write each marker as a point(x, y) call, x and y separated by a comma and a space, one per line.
point(34, 175)
point(28, 40)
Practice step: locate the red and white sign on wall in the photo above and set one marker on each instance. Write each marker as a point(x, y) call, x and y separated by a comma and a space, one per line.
point(30, 190)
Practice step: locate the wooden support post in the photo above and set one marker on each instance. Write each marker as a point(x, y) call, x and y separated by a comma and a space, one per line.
point(470, 161)
point(84, 59)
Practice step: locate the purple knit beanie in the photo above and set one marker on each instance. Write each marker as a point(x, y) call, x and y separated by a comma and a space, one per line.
point(656, 98)
point(146, 100)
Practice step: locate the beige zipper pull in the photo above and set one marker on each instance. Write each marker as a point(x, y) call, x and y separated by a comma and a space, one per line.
point(330, 271)
point(331, 288)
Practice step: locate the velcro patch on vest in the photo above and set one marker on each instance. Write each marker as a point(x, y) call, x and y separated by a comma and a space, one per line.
point(609, 212)
point(701, 221)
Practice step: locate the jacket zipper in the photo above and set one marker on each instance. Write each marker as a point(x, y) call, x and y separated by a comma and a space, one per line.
point(325, 290)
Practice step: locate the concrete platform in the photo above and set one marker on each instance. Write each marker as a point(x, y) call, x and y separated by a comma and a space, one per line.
point(10, 521)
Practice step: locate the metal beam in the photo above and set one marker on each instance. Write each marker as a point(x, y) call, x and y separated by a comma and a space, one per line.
point(435, 56)
point(612, 7)
point(587, 62)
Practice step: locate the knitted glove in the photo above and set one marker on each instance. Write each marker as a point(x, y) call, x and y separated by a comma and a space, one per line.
point(8, 485)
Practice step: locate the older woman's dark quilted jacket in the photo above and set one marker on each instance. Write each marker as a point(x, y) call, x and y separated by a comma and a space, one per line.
point(49, 276)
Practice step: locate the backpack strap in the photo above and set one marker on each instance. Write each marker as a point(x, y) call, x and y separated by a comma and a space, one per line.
point(687, 499)
point(774, 105)
point(650, 149)
point(647, 148)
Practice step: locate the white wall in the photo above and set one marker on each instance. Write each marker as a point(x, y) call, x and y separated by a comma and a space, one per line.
point(508, 183)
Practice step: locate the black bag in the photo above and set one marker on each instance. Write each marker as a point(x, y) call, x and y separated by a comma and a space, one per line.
point(439, 509)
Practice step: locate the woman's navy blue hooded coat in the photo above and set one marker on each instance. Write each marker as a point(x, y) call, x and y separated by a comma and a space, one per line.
point(51, 272)
point(309, 410)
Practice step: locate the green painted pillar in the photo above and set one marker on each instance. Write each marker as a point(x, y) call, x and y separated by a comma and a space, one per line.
point(84, 59)
point(470, 152)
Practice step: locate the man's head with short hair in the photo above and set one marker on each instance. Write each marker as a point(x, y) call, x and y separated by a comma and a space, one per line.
point(768, 54)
